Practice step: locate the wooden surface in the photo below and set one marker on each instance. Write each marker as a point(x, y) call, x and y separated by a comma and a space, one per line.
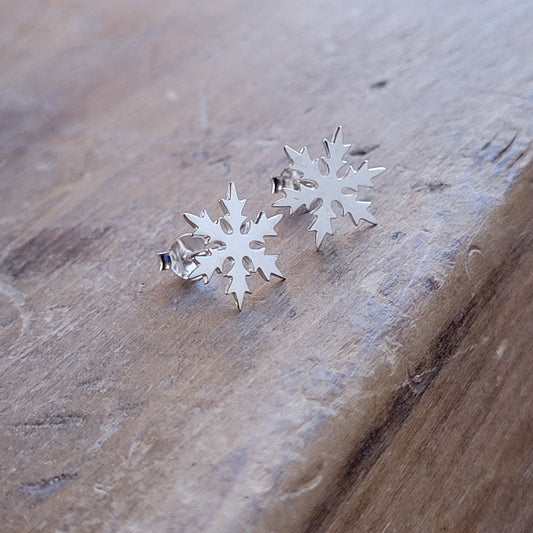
point(384, 386)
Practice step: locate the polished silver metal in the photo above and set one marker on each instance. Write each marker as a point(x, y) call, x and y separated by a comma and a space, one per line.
point(198, 255)
point(303, 183)
point(180, 257)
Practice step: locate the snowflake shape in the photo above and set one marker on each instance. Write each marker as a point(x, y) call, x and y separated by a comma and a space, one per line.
point(317, 191)
point(231, 237)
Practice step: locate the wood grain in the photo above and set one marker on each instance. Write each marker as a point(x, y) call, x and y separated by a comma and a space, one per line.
point(383, 386)
point(461, 459)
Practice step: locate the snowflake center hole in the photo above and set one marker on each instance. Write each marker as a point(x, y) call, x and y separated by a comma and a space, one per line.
point(342, 171)
point(226, 226)
point(227, 265)
point(309, 184)
point(245, 227)
point(247, 263)
point(348, 191)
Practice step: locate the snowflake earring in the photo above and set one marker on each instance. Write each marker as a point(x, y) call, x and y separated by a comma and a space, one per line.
point(198, 255)
point(304, 184)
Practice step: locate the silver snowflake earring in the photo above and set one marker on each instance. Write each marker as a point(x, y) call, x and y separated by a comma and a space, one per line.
point(198, 255)
point(304, 184)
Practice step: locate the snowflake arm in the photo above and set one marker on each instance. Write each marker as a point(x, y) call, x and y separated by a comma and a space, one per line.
point(238, 285)
point(209, 264)
point(335, 152)
point(232, 208)
point(357, 210)
point(263, 227)
point(363, 176)
point(301, 162)
point(322, 224)
point(295, 199)
point(266, 263)
point(203, 225)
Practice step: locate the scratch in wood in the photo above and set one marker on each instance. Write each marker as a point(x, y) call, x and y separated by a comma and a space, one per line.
point(472, 250)
point(40, 490)
point(488, 143)
point(379, 84)
point(101, 490)
point(219, 160)
point(431, 186)
point(517, 158)
point(419, 382)
point(437, 186)
point(501, 348)
point(364, 150)
point(386, 527)
point(503, 150)
point(56, 419)
point(89, 381)
point(397, 235)
point(307, 487)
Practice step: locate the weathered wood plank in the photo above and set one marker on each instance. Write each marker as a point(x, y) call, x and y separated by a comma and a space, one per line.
point(461, 458)
point(131, 401)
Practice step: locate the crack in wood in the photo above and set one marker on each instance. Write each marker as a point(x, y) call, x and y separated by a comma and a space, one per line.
point(406, 398)
point(505, 148)
point(55, 419)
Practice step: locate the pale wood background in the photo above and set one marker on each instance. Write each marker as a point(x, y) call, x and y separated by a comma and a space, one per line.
point(385, 386)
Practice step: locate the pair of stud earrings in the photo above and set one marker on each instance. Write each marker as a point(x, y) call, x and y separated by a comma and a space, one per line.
point(311, 183)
